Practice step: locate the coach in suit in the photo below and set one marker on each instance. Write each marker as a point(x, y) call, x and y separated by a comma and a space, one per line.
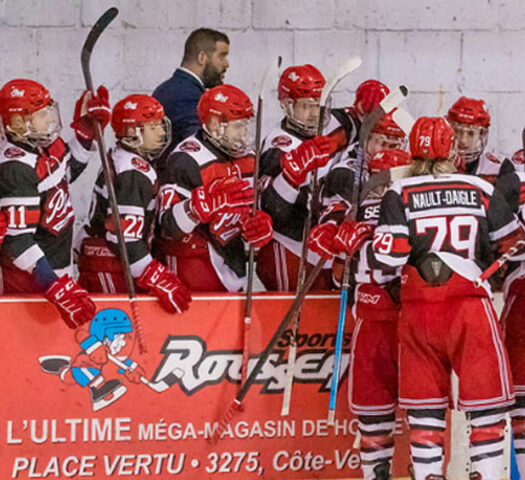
point(203, 66)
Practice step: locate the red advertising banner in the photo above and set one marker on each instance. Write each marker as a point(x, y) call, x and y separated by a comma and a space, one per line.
point(67, 410)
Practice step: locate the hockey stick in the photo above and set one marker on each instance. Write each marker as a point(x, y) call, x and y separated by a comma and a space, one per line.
point(161, 385)
point(251, 259)
point(85, 58)
point(388, 104)
point(366, 128)
point(496, 265)
point(345, 69)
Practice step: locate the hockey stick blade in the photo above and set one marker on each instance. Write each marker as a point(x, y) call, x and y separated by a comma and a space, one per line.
point(85, 57)
point(345, 69)
point(403, 118)
point(160, 386)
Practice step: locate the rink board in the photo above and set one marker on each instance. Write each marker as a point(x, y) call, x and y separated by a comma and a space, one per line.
point(50, 430)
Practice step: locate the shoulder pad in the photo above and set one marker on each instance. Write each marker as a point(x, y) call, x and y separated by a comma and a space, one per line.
point(194, 148)
point(125, 161)
point(279, 138)
point(10, 153)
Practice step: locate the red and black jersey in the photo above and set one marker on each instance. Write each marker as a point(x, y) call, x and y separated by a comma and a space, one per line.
point(286, 204)
point(193, 163)
point(34, 194)
point(135, 183)
point(511, 183)
point(457, 217)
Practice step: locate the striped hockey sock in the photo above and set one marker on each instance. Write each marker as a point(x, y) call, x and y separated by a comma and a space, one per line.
point(518, 428)
point(487, 442)
point(377, 445)
point(427, 436)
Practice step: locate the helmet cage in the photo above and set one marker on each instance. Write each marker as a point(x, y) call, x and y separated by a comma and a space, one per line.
point(35, 137)
point(470, 153)
point(134, 141)
point(234, 147)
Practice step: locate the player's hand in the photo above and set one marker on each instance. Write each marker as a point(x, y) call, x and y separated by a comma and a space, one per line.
point(228, 195)
point(351, 236)
point(72, 301)
point(257, 230)
point(99, 356)
point(88, 109)
point(308, 156)
point(321, 240)
point(370, 95)
point(134, 375)
point(173, 296)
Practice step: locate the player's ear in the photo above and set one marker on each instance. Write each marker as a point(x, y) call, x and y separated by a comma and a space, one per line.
point(202, 58)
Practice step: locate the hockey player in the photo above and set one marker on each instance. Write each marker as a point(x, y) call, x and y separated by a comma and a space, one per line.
point(470, 120)
point(206, 195)
point(512, 184)
point(142, 132)
point(440, 226)
point(373, 362)
point(36, 167)
point(290, 152)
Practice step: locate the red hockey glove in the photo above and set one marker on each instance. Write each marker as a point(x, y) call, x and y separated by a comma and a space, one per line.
point(351, 236)
point(99, 356)
point(228, 194)
point(133, 376)
point(368, 95)
point(71, 300)
point(3, 227)
point(89, 108)
point(308, 156)
point(173, 296)
point(257, 230)
point(321, 240)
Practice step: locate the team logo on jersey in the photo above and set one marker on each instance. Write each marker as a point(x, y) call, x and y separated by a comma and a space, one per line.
point(190, 146)
point(140, 164)
point(492, 158)
point(282, 141)
point(14, 152)
point(518, 157)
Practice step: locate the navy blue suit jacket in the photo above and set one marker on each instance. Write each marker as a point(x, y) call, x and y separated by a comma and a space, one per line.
point(179, 96)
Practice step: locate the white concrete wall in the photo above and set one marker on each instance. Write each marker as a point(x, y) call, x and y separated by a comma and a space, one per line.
point(438, 48)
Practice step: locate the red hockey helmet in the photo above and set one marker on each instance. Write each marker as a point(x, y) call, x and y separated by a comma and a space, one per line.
point(139, 123)
point(301, 81)
point(432, 138)
point(225, 102)
point(134, 111)
point(470, 111)
point(234, 131)
point(369, 94)
point(33, 102)
point(387, 159)
point(387, 126)
point(23, 97)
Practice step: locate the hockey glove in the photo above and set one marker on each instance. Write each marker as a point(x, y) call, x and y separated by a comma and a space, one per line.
point(321, 240)
point(89, 108)
point(228, 195)
point(173, 296)
point(370, 95)
point(351, 236)
point(308, 156)
point(257, 230)
point(71, 300)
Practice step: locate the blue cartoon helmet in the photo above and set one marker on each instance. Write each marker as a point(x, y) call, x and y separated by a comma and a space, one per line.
point(109, 322)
